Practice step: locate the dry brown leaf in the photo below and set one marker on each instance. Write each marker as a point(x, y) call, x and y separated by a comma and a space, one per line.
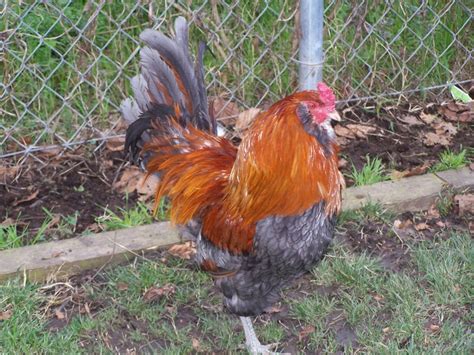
point(183, 251)
point(59, 314)
point(156, 293)
point(305, 332)
point(397, 175)
point(378, 297)
point(386, 330)
point(434, 327)
point(245, 118)
point(133, 179)
point(433, 212)
point(428, 118)
point(411, 120)
point(8, 172)
point(361, 131)
point(430, 139)
point(342, 163)
point(342, 131)
point(465, 203)
point(421, 226)
point(441, 224)
point(196, 344)
point(28, 198)
point(274, 309)
point(122, 286)
point(4, 315)
point(115, 144)
point(402, 224)
point(224, 109)
point(445, 128)
point(8, 222)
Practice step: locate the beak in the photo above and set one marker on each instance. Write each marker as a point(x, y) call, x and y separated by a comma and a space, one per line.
point(334, 116)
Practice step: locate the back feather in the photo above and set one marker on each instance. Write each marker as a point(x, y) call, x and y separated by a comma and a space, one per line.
point(168, 85)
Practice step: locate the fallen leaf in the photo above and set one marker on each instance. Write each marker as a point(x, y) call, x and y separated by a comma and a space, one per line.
point(402, 225)
point(133, 179)
point(94, 227)
point(342, 163)
point(156, 293)
point(465, 204)
point(8, 222)
point(224, 109)
point(433, 212)
point(386, 330)
point(342, 131)
point(4, 315)
point(361, 131)
point(122, 286)
point(411, 120)
point(428, 118)
point(430, 139)
point(378, 298)
point(8, 172)
point(421, 226)
point(28, 198)
point(115, 144)
point(417, 170)
point(59, 314)
point(397, 175)
point(183, 251)
point(196, 344)
point(445, 128)
point(441, 224)
point(274, 309)
point(245, 118)
point(305, 332)
point(434, 327)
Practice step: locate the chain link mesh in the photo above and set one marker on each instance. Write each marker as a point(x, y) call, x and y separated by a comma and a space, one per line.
point(65, 65)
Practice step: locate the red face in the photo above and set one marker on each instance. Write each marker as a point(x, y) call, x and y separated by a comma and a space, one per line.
point(326, 109)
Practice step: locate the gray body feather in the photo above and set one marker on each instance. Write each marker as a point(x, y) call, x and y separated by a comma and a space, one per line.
point(284, 249)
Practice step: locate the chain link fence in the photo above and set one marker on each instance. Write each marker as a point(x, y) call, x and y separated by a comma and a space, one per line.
point(66, 65)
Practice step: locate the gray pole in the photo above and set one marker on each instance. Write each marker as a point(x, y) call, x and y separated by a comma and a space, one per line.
point(311, 43)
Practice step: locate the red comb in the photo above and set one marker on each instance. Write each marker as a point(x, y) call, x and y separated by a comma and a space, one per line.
point(326, 94)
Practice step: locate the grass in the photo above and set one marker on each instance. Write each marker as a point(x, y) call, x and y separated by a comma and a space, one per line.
point(372, 172)
point(424, 308)
point(451, 160)
point(71, 68)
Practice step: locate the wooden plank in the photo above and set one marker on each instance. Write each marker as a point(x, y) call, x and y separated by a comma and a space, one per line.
point(59, 259)
point(414, 193)
point(459, 179)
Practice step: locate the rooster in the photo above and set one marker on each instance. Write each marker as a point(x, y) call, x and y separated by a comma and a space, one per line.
point(263, 213)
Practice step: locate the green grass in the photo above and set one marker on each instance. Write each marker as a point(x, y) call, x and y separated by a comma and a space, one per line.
point(424, 308)
point(136, 216)
point(451, 160)
point(372, 172)
point(52, 57)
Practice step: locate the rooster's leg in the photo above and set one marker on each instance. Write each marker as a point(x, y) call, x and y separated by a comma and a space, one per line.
point(251, 340)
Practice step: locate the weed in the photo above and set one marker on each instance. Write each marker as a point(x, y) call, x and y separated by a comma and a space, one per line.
point(371, 173)
point(138, 215)
point(450, 160)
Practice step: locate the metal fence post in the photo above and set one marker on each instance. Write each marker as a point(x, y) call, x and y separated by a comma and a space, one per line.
point(311, 53)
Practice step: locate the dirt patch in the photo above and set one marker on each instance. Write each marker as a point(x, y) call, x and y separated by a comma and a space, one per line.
point(76, 185)
point(399, 135)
